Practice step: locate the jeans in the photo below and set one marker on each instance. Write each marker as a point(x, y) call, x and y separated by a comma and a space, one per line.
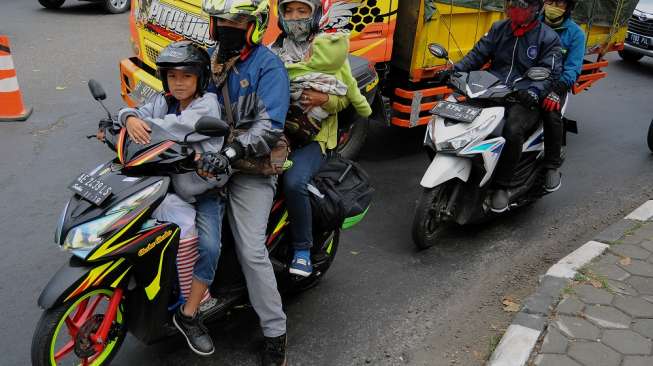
point(210, 208)
point(553, 136)
point(306, 162)
point(521, 122)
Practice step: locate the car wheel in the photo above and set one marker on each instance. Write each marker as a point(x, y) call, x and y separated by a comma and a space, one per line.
point(630, 56)
point(116, 6)
point(51, 4)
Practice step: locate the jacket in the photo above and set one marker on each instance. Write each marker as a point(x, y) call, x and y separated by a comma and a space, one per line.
point(155, 111)
point(512, 56)
point(572, 39)
point(329, 56)
point(259, 92)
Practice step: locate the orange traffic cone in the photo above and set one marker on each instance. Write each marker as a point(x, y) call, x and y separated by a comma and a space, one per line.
point(11, 100)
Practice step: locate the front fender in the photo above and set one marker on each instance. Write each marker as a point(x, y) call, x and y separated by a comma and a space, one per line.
point(446, 167)
point(73, 279)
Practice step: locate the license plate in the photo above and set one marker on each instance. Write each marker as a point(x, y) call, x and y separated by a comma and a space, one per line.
point(91, 188)
point(142, 92)
point(638, 40)
point(456, 111)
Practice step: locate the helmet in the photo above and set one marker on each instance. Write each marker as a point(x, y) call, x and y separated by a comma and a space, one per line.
point(523, 11)
point(255, 11)
point(316, 8)
point(187, 56)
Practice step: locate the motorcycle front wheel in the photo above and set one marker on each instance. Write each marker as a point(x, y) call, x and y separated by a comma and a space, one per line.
point(429, 222)
point(62, 336)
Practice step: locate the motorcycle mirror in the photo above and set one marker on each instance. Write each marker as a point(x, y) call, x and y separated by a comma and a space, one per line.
point(211, 126)
point(438, 51)
point(538, 73)
point(96, 90)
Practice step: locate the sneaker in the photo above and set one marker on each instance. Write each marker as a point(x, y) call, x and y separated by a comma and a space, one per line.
point(552, 180)
point(274, 351)
point(301, 264)
point(499, 202)
point(196, 335)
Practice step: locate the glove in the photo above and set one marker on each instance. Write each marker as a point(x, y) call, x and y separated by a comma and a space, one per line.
point(551, 102)
point(443, 76)
point(527, 98)
point(212, 164)
point(233, 151)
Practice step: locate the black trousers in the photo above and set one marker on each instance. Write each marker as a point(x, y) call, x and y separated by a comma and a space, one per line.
point(520, 123)
point(553, 136)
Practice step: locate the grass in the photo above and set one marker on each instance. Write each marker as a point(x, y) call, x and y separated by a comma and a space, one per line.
point(494, 342)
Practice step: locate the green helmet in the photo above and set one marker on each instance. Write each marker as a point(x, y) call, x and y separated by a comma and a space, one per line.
point(255, 11)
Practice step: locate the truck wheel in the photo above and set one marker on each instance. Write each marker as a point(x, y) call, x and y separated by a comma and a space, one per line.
point(630, 56)
point(649, 138)
point(51, 4)
point(116, 6)
point(352, 136)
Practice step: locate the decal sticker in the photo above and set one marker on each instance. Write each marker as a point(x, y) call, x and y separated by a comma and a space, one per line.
point(531, 52)
point(156, 242)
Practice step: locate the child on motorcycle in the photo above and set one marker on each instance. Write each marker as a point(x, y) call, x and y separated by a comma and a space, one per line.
point(184, 69)
point(557, 15)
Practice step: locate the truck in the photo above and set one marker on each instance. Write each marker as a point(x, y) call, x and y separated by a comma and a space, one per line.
point(389, 48)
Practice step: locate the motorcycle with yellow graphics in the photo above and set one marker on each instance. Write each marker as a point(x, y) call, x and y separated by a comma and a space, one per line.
point(122, 275)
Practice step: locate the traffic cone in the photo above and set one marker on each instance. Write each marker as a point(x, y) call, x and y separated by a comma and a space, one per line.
point(11, 99)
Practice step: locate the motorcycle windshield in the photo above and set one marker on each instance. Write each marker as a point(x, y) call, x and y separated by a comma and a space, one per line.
point(161, 149)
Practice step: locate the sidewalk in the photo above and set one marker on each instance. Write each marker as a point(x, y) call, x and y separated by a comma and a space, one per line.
point(594, 307)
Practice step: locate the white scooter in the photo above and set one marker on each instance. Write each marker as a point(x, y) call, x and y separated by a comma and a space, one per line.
point(464, 139)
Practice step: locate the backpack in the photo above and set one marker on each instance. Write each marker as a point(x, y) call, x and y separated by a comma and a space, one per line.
point(340, 194)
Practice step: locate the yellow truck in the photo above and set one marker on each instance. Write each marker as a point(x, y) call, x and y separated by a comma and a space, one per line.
point(391, 35)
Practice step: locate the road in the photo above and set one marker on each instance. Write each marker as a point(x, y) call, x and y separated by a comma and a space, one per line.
point(382, 302)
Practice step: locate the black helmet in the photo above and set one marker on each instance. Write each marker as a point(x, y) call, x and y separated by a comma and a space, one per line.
point(187, 56)
point(316, 7)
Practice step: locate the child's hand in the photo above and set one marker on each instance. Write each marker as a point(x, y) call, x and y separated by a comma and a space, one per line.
point(138, 130)
point(312, 98)
point(100, 134)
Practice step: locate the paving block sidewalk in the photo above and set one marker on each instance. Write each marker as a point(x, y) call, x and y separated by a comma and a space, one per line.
point(593, 308)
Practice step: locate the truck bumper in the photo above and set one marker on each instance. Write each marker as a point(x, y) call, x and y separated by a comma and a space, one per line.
point(138, 81)
point(641, 51)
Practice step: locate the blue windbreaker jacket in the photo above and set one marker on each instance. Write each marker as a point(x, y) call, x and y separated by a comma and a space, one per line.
point(572, 39)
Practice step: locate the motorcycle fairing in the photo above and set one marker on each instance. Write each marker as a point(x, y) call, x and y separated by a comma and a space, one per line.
point(162, 149)
point(445, 167)
point(490, 150)
point(535, 142)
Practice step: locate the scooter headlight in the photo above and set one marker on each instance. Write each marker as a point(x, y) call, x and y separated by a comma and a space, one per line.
point(465, 138)
point(90, 234)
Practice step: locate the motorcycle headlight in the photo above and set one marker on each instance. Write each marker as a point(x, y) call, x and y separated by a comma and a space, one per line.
point(90, 234)
point(465, 138)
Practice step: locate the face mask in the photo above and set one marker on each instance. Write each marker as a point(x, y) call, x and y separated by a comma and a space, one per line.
point(553, 14)
point(298, 30)
point(519, 16)
point(230, 42)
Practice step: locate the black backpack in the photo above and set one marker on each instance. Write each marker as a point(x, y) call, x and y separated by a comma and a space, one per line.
point(340, 194)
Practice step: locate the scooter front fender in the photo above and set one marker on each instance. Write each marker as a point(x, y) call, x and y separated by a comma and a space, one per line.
point(446, 167)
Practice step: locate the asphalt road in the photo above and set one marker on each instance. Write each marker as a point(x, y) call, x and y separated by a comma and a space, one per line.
point(382, 302)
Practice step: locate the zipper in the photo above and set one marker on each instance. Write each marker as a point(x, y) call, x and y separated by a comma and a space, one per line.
point(512, 62)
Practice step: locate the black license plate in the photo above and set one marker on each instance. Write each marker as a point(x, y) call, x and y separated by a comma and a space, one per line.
point(456, 111)
point(91, 188)
point(639, 40)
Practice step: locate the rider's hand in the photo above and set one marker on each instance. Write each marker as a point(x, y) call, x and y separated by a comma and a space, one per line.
point(100, 134)
point(443, 76)
point(138, 130)
point(211, 164)
point(559, 87)
point(551, 102)
point(312, 98)
point(527, 98)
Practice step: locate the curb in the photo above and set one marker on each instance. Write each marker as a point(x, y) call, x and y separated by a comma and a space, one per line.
point(520, 338)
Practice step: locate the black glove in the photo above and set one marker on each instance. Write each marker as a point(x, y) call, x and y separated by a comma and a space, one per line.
point(560, 87)
point(527, 98)
point(233, 151)
point(443, 76)
point(213, 164)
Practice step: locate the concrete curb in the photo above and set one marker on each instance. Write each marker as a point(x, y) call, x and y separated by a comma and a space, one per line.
point(521, 336)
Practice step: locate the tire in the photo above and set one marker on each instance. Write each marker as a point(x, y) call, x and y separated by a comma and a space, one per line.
point(51, 327)
point(649, 137)
point(351, 137)
point(312, 280)
point(428, 223)
point(51, 4)
point(116, 6)
point(630, 56)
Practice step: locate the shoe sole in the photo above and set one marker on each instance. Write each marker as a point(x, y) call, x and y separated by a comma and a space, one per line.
point(499, 210)
point(174, 321)
point(299, 272)
point(553, 189)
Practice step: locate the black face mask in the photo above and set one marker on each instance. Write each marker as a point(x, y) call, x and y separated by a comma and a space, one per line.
point(230, 42)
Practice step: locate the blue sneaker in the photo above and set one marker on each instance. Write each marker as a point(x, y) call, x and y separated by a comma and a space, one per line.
point(301, 263)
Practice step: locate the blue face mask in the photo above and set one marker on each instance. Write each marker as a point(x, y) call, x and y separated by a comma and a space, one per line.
point(298, 30)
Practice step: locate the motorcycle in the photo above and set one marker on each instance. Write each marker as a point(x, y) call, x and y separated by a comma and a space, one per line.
point(463, 138)
point(122, 275)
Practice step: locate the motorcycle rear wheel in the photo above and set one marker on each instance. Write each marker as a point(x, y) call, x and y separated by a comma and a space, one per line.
point(56, 339)
point(428, 223)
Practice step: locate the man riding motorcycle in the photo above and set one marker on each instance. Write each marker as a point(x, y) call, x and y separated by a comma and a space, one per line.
point(253, 89)
point(513, 46)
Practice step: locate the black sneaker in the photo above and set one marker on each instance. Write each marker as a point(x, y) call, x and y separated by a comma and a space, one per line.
point(196, 335)
point(274, 351)
point(499, 202)
point(552, 180)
